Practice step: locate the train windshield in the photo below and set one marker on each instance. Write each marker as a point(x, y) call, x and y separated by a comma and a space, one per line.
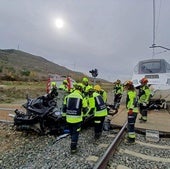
point(152, 66)
point(156, 70)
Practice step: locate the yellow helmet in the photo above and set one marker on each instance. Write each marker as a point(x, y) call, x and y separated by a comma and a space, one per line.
point(65, 81)
point(53, 84)
point(85, 79)
point(97, 87)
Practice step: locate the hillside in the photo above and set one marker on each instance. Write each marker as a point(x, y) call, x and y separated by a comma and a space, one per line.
point(22, 73)
point(19, 65)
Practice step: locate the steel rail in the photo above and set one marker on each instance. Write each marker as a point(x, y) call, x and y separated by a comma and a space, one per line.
point(6, 109)
point(111, 149)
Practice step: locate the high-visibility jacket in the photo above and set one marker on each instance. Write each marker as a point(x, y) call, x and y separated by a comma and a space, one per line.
point(63, 87)
point(85, 89)
point(132, 101)
point(74, 107)
point(144, 94)
point(104, 95)
point(97, 103)
point(118, 89)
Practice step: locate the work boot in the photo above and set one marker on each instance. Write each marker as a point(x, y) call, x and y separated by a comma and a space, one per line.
point(97, 136)
point(73, 151)
point(142, 120)
point(73, 147)
point(130, 140)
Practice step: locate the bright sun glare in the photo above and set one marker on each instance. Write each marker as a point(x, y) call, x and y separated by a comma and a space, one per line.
point(59, 23)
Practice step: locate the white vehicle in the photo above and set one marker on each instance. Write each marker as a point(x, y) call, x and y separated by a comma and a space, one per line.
point(157, 71)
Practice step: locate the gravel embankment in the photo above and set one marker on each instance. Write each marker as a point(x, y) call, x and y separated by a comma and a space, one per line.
point(143, 154)
point(42, 152)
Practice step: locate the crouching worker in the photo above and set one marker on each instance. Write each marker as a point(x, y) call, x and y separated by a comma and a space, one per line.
point(132, 109)
point(98, 106)
point(74, 107)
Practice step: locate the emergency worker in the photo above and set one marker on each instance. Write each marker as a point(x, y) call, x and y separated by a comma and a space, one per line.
point(118, 91)
point(74, 107)
point(64, 86)
point(132, 109)
point(144, 95)
point(98, 106)
point(85, 83)
point(74, 87)
point(101, 92)
point(53, 91)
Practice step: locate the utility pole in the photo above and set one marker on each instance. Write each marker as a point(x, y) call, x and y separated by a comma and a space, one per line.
point(18, 47)
point(153, 43)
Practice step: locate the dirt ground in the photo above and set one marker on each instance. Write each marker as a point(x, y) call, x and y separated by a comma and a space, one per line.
point(6, 109)
point(9, 138)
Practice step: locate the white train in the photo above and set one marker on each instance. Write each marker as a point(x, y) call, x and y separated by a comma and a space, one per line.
point(157, 71)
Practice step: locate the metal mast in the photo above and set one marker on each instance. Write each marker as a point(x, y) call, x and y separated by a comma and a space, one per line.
point(153, 43)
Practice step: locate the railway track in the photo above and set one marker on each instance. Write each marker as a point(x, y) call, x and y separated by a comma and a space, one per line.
point(142, 154)
point(110, 152)
point(50, 152)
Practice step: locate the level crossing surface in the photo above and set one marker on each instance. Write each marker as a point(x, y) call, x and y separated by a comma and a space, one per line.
point(157, 120)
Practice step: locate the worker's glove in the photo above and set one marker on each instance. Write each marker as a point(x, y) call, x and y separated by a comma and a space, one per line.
point(130, 111)
point(144, 104)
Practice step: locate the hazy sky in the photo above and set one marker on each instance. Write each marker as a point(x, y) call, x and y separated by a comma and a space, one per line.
point(110, 35)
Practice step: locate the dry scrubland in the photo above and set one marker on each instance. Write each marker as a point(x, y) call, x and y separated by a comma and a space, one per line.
point(11, 91)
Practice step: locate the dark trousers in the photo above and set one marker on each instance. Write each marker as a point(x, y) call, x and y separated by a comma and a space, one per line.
point(117, 99)
point(143, 111)
point(131, 126)
point(74, 133)
point(98, 126)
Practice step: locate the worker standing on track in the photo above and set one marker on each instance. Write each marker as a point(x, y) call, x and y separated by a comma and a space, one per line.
point(98, 106)
point(144, 98)
point(118, 91)
point(74, 107)
point(132, 109)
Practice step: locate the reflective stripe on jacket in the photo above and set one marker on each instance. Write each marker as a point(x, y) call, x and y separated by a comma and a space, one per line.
point(118, 89)
point(98, 104)
point(73, 105)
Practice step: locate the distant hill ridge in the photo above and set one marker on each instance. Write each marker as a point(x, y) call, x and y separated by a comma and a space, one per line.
point(14, 61)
